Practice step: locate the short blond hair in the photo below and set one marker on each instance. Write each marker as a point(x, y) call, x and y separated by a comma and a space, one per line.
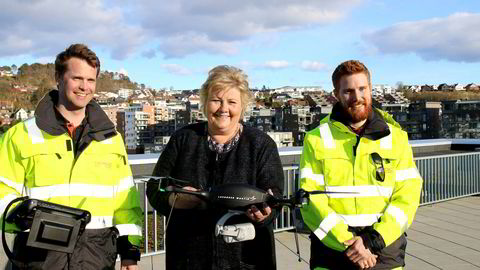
point(225, 77)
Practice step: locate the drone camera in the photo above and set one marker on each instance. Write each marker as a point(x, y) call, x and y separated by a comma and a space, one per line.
point(236, 233)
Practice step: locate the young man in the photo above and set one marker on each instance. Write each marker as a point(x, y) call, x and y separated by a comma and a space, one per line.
point(364, 154)
point(70, 154)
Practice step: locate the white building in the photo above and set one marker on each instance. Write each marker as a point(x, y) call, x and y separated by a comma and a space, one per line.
point(22, 114)
point(282, 139)
point(382, 89)
point(125, 93)
point(130, 132)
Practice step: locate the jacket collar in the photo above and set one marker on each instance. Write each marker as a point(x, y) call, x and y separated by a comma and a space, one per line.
point(376, 126)
point(99, 126)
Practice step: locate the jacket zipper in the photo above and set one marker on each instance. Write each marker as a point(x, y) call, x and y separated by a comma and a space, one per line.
point(72, 153)
point(357, 143)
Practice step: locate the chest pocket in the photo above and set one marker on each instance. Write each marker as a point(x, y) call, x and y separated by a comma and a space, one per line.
point(382, 168)
point(47, 164)
point(337, 167)
point(100, 162)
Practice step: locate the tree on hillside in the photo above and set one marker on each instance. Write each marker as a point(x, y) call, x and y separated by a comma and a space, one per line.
point(399, 86)
point(4, 86)
point(43, 89)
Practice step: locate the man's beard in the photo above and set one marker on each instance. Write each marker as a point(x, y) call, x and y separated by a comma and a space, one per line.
point(355, 116)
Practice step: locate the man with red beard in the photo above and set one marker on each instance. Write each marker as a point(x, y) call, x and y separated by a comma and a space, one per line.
point(361, 155)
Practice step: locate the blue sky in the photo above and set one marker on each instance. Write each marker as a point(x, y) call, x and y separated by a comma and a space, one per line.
point(173, 44)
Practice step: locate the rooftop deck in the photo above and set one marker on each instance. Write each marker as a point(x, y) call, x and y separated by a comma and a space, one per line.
point(445, 235)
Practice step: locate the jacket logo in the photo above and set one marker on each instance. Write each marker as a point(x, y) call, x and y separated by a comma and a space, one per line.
point(103, 164)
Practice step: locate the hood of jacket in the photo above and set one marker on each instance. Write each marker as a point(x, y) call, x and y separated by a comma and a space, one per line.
point(99, 126)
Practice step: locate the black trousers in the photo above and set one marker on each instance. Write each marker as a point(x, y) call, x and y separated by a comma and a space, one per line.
point(96, 249)
point(390, 257)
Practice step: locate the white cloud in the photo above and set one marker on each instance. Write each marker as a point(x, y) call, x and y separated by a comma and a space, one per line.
point(123, 71)
point(44, 60)
point(455, 38)
point(176, 69)
point(313, 65)
point(178, 28)
point(45, 27)
point(218, 26)
point(189, 43)
point(276, 64)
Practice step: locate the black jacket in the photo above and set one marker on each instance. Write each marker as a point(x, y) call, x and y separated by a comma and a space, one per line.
point(190, 242)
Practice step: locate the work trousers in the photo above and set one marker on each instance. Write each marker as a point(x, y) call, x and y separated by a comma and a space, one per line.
point(322, 257)
point(96, 249)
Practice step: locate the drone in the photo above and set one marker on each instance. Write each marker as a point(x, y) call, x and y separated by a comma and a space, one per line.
point(238, 197)
point(234, 196)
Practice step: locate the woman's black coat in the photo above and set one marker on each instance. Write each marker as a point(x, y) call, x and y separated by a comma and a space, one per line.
point(190, 239)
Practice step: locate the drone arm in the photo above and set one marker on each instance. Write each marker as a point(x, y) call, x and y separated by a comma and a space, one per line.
point(187, 197)
point(279, 203)
point(200, 194)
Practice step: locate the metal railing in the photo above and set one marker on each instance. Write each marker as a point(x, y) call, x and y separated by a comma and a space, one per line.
point(449, 177)
point(445, 177)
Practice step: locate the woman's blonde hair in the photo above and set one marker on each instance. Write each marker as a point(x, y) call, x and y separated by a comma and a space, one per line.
point(225, 77)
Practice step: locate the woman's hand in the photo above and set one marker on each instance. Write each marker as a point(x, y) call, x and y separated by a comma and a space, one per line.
point(259, 215)
point(186, 201)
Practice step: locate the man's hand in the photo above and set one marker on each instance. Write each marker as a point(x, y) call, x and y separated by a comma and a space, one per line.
point(358, 254)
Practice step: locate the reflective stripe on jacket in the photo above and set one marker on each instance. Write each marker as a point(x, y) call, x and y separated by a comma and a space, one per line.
point(329, 163)
point(43, 166)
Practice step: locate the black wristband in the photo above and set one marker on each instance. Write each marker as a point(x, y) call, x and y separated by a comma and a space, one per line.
point(372, 240)
point(126, 250)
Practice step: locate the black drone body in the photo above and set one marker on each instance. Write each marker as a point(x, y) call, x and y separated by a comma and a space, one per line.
point(236, 196)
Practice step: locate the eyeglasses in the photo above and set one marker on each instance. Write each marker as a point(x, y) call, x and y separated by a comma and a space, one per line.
point(379, 171)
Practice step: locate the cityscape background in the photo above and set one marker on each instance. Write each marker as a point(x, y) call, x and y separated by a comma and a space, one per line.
point(146, 118)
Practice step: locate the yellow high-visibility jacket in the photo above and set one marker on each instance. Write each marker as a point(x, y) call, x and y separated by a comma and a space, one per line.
point(43, 166)
point(336, 159)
